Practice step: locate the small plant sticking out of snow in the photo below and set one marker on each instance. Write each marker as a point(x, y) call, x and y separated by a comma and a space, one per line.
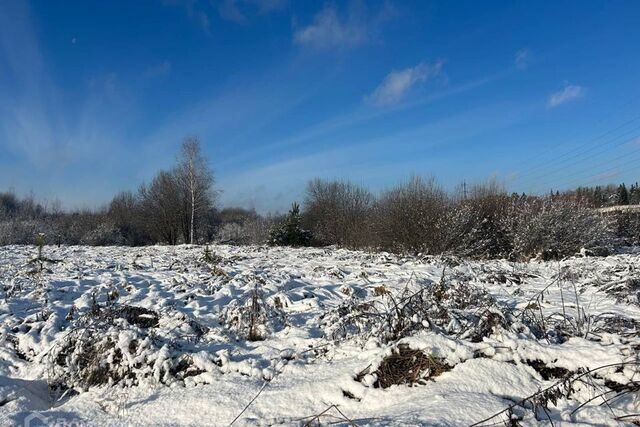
point(210, 257)
point(251, 316)
point(379, 291)
point(257, 317)
point(404, 366)
point(40, 259)
point(40, 245)
point(330, 415)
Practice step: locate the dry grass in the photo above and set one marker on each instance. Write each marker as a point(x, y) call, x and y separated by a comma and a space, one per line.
point(407, 366)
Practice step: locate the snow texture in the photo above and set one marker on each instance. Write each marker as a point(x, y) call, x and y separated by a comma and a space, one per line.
point(179, 335)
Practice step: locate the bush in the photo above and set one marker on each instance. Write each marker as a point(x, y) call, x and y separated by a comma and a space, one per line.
point(476, 224)
point(120, 344)
point(408, 217)
point(337, 213)
point(553, 227)
point(251, 231)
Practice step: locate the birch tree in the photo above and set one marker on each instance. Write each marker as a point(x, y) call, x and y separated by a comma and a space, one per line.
point(196, 180)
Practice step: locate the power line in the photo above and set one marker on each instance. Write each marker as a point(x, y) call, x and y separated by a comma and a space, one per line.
point(632, 101)
point(599, 175)
point(564, 158)
point(555, 171)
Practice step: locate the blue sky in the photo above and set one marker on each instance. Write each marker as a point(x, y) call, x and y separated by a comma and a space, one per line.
point(96, 96)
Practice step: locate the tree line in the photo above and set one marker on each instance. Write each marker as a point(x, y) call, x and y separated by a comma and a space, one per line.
point(176, 206)
point(608, 195)
point(481, 220)
point(418, 216)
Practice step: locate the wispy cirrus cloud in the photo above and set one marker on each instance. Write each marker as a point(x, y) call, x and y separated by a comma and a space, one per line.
point(44, 141)
point(363, 158)
point(566, 94)
point(330, 30)
point(397, 84)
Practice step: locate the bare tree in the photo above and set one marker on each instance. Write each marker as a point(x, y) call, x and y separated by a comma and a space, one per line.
point(195, 179)
point(337, 212)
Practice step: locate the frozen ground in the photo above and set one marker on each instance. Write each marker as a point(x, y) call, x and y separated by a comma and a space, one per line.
point(77, 345)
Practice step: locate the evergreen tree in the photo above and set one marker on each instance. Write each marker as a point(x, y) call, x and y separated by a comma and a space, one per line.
point(634, 194)
point(622, 195)
point(598, 199)
point(289, 232)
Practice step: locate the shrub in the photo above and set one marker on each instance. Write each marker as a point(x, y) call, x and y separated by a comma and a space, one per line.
point(121, 344)
point(408, 217)
point(337, 213)
point(476, 224)
point(625, 227)
point(251, 317)
point(250, 231)
point(553, 227)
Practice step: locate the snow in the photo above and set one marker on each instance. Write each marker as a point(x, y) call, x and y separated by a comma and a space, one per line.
point(193, 364)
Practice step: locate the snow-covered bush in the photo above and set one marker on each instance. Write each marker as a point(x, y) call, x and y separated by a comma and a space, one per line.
point(252, 231)
point(119, 344)
point(625, 227)
point(104, 234)
point(475, 226)
point(553, 227)
point(403, 366)
point(17, 232)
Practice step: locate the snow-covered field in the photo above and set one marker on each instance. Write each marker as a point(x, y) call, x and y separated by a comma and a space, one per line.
point(160, 336)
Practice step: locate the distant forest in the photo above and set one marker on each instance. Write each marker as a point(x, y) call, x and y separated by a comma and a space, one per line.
point(481, 220)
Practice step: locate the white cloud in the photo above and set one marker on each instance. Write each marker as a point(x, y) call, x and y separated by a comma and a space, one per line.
point(522, 59)
point(327, 30)
point(330, 30)
point(568, 93)
point(397, 83)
